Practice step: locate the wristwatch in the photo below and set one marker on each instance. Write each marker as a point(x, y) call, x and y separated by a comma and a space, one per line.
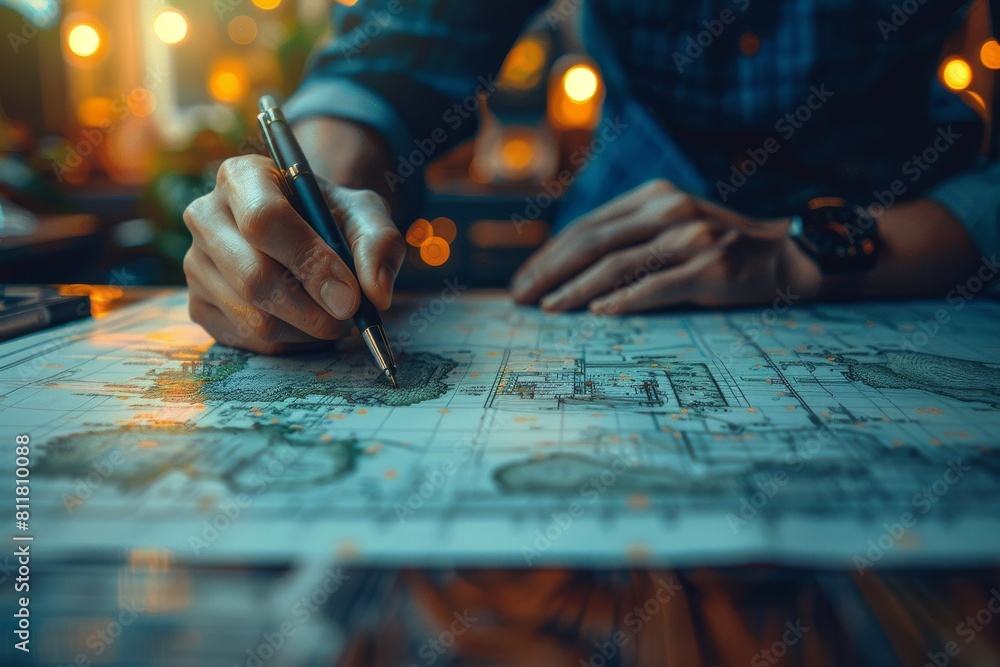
point(841, 239)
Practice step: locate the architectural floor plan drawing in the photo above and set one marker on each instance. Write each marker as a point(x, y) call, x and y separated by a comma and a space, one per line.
point(843, 435)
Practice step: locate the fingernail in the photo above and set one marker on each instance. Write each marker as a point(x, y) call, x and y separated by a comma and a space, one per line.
point(339, 298)
point(550, 301)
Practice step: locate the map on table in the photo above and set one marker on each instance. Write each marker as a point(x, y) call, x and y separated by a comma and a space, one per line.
point(851, 436)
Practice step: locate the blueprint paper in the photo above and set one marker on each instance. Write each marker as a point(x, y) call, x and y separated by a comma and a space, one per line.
point(823, 435)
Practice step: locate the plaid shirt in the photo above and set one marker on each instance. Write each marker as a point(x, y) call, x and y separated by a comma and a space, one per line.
point(838, 96)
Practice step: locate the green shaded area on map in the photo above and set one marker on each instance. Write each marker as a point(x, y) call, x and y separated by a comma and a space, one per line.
point(224, 374)
point(969, 381)
point(246, 460)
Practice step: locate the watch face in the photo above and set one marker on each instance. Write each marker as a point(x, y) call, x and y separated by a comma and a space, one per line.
point(842, 239)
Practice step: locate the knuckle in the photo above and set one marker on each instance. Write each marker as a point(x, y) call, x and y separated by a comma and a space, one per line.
point(232, 167)
point(259, 221)
point(705, 232)
point(189, 264)
point(227, 169)
point(254, 281)
point(196, 212)
point(672, 208)
point(687, 204)
point(612, 263)
point(661, 186)
point(309, 260)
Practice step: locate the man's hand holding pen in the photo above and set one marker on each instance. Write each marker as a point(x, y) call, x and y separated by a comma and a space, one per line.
point(261, 279)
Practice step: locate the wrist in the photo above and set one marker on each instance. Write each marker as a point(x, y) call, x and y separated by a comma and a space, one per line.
point(347, 153)
point(799, 272)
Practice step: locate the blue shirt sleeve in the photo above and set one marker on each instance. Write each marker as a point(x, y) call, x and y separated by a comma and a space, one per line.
point(411, 69)
point(974, 198)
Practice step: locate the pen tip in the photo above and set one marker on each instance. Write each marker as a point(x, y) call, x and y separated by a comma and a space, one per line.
point(391, 377)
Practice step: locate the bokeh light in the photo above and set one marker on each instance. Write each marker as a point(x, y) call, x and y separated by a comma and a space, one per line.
point(130, 154)
point(267, 4)
point(419, 231)
point(141, 102)
point(84, 40)
point(517, 153)
point(229, 81)
point(580, 83)
point(445, 228)
point(170, 26)
point(435, 251)
point(101, 296)
point(242, 30)
point(990, 54)
point(575, 94)
point(94, 111)
point(524, 66)
point(976, 99)
point(956, 74)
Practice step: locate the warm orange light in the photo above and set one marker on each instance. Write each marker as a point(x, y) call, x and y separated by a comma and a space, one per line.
point(348, 3)
point(102, 297)
point(502, 234)
point(242, 30)
point(170, 26)
point(990, 54)
point(226, 87)
point(267, 4)
point(977, 99)
point(956, 74)
point(523, 68)
point(569, 115)
point(419, 231)
point(575, 95)
point(94, 111)
point(580, 83)
point(445, 228)
point(83, 40)
point(141, 102)
point(229, 82)
point(517, 153)
point(435, 251)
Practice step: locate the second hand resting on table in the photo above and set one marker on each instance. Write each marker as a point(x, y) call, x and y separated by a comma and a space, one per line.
point(261, 279)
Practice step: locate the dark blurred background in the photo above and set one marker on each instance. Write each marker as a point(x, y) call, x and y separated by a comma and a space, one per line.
point(115, 114)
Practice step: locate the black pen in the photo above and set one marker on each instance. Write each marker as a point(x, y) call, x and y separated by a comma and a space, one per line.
point(306, 197)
